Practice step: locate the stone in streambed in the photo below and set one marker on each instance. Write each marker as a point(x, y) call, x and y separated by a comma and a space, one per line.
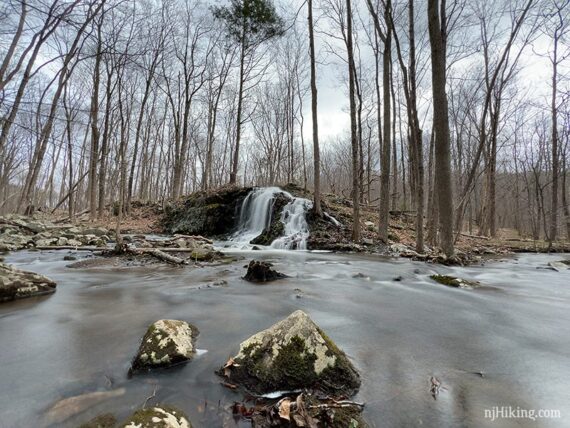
point(18, 284)
point(106, 420)
point(292, 354)
point(452, 281)
point(158, 417)
point(166, 343)
point(258, 271)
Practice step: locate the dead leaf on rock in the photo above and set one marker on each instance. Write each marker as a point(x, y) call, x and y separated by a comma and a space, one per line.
point(285, 409)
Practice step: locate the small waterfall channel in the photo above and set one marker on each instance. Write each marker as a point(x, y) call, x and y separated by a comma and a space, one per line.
point(256, 216)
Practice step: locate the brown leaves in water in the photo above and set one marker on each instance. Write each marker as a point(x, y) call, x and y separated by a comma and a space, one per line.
point(228, 367)
point(286, 411)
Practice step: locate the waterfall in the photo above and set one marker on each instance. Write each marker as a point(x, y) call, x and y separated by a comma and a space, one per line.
point(295, 225)
point(255, 217)
point(255, 213)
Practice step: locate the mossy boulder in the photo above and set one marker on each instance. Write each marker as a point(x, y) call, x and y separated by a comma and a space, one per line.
point(166, 343)
point(206, 213)
point(258, 271)
point(19, 284)
point(158, 417)
point(292, 354)
point(452, 281)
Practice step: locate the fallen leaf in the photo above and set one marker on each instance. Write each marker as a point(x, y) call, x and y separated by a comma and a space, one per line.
point(228, 367)
point(229, 385)
point(285, 409)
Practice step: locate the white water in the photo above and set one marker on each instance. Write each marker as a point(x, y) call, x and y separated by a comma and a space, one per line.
point(296, 226)
point(255, 217)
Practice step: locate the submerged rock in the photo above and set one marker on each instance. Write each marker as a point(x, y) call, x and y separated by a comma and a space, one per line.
point(559, 265)
point(452, 281)
point(158, 417)
point(18, 284)
point(102, 421)
point(292, 354)
point(166, 343)
point(71, 406)
point(261, 272)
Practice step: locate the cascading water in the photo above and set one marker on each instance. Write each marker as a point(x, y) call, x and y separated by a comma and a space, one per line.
point(255, 217)
point(295, 225)
point(255, 214)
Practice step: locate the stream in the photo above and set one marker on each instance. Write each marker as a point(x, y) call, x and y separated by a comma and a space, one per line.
point(505, 345)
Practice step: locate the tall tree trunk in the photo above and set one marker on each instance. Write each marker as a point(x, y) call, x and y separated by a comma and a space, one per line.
point(441, 125)
point(94, 152)
point(314, 114)
point(555, 157)
point(353, 128)
point(235, 161)
point(386, 140)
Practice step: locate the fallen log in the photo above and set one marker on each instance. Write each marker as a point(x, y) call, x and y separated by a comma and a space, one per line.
point(93, 248)
point(160, 255)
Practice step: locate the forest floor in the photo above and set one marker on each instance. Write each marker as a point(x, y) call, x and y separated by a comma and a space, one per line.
point(148, 217)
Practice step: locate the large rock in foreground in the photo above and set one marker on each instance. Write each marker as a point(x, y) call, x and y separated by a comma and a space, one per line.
point(18, 284)
point(158, 417)
point(292, 354)
point(166, 343)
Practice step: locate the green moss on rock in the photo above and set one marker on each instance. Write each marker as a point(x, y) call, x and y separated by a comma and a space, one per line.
point(102, 421)
point(205, 213)
point(166, 343)
point(293, 354)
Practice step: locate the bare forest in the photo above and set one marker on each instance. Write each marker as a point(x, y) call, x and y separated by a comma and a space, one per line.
point(456, 111)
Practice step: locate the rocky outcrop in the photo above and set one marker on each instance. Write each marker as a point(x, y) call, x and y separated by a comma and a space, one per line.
point(18, 284)
point(158, 417)
point(166, 343)
point(258, 271)
point(206, 213)
point(292, 354)
point(18, 232)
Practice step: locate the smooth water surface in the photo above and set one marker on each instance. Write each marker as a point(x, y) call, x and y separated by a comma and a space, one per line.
point(507, 345)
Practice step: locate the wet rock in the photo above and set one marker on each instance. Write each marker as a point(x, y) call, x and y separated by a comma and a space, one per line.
point(452, 281)
point(166, 343)
point(560, 265)
point(158, 417)
point(68, 407)
point(69, 258)
point(292, 354)
point(206, 213)
point(258, 271)
point(97, 231)
point(18, 284)
point(102, 421)
point(276, 228)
